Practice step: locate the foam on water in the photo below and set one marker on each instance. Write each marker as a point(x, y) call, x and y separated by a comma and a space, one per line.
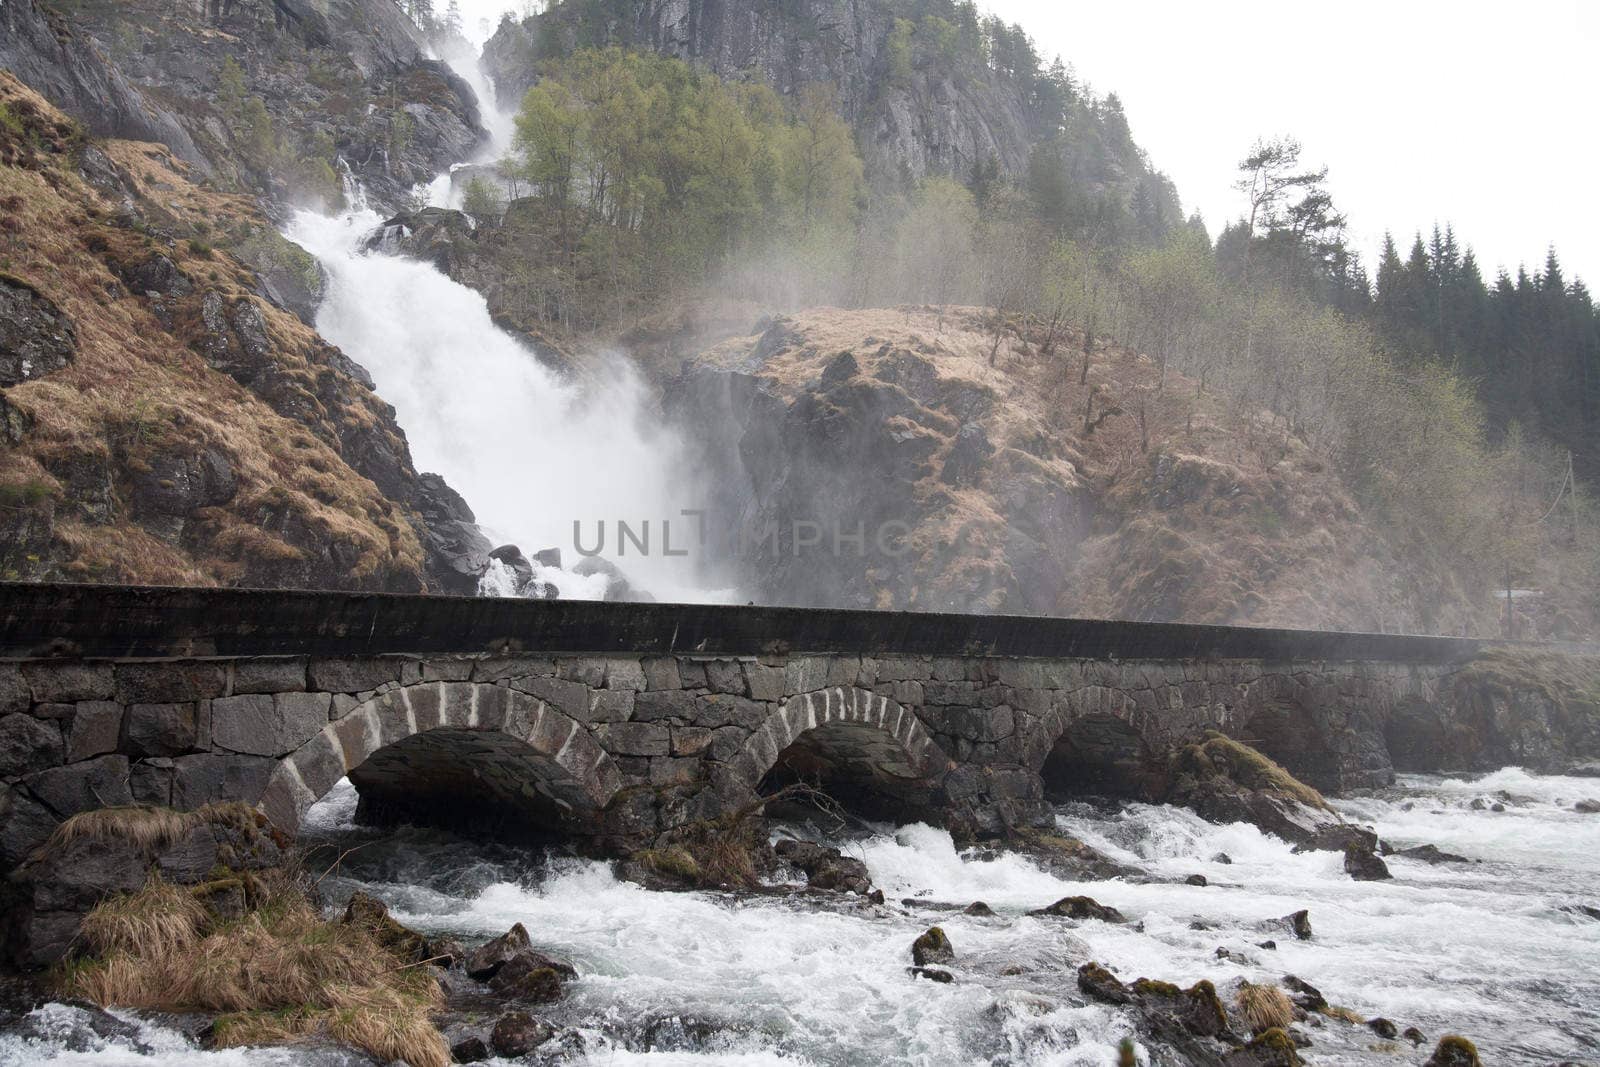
point(1485, 949)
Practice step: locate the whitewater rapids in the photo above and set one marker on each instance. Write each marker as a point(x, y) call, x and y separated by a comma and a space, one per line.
point(1494, 949)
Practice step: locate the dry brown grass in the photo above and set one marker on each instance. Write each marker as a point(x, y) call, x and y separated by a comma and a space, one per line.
point(280, 973)
point(1263, 1007)
point(138, 389)
point(1334, 1011)
point(149, 827)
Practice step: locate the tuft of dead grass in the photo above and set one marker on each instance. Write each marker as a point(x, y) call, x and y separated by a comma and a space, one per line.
point(1263, 1007)
point(147, 826)
point(1334, 1011)
point(279, 973)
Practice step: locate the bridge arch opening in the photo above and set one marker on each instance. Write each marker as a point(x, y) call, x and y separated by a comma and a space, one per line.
point(1293, 739)
point(471, 757)
point(861, 750)
point(1102, 755)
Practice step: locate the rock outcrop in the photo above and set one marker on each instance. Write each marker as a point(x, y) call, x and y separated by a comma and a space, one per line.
point(162, 420)
point(274, 96)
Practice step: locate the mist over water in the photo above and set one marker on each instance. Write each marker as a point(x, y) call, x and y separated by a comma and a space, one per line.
point(530, 452)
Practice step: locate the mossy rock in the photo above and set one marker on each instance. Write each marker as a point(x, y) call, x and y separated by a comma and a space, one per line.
point(932, 947)
point(1272, 1048)
point(1454, 1051)
point(1082, 908)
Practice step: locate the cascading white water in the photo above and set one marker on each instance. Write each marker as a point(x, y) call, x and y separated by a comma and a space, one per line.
point(1495, 949)
point(531, 453)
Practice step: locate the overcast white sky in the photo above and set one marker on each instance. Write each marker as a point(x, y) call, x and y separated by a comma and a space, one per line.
point(1477, 112)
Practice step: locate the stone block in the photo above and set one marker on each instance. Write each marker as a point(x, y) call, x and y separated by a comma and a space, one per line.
point(763, 683)
point(28, 744)
point(607, 705)
point(726, 676)
point(663, 705)
point(101, 782)
point(342, 705)
point(320, 763)
point(190, 860)
point(624, 673)
point(69, 681)
point(805, 674)
point(354, 675)
point(585, 669)
point(274, 675)
point(727, 742)
point(843, 671)
point(24, 826)
point(690, 740)
point(169, 683)
point(566, 696)
point(722, 709)
point(160, 729)
point(215, 777)
point(692, 673)
point(96, 729)
point(666, 771)
point(661, 672)
point(261, 725)
point(14, 692)
point(426, 706)
point(908, 693)
point(62, 712)
point(150, 781)
point(634, 738)
point(448, 670)
point(500, 668)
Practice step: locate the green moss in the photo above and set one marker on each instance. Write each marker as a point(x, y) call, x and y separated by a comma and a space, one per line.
point(1155, 987)
point(1222, 755)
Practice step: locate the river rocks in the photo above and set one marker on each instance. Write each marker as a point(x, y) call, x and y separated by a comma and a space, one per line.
point(1225, 781)
point(1274, 1048)
point(1081, 907)
point(1453, 1051)
point(531, 977)
point(825, 868)
point(1067, 857)
point(1429, 854)
point(470, 1050)
point(36, 337)
point(932, 947)
point(1383, 1028)
point(483, 961)
point(979, 909)
point(1365, 865)
point(1305, 995)
point(517, 1033)
point(1587, 807)
point(1413, 1035)
point(1098, 983)
point(373, 914)
point(1297, 923)
point(1196, 880)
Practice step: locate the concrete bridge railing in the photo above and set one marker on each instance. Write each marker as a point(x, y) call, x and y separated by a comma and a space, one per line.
point(618, 721)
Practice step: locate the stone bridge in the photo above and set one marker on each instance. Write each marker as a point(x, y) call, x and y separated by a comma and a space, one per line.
point(616, 722)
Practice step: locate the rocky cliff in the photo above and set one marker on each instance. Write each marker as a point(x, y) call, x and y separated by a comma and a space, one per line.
point(162, 420)
point(274, 97)
point(1025, 483)
point(919, 106)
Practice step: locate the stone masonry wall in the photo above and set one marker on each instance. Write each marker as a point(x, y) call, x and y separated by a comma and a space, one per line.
point(620, 748)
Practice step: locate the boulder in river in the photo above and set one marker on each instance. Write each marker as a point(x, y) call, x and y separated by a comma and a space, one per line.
point(1082, 908)
point(1454, 1051)
point(532, 977)
point(489, 957)
point(1429, 854)
point(826, 868)
point(517, 1033)
point(1587, 807)
point(1384, 1028)
point(1097, 983)
point(1364, 865)
point(932, 974)
point(1274, 1048)
point(932, 947)
point(1297, 923)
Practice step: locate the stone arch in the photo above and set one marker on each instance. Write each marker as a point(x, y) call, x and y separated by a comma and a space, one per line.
point(868, 751)
point(1102, 747)
point(435, 739)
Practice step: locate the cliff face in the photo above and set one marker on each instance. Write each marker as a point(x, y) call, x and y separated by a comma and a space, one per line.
point(272, 96)
point(1025, 485)
point(928, 119)
point(161, 420)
